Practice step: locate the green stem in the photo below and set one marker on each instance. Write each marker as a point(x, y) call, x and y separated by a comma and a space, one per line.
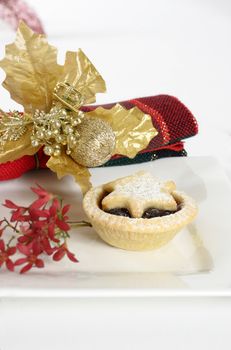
point(11, 226)
point(14, 228)
point(10, 240)
point(79, 223)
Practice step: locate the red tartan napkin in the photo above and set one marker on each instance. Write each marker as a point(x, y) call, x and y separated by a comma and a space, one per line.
point(170, 117)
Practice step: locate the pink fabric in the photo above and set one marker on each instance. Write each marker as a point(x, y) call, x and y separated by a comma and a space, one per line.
point(12, 11)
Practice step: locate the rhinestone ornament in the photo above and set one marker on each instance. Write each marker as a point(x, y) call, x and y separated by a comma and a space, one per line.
point(89, 141)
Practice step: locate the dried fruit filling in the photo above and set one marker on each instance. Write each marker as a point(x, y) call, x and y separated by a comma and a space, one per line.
point(148, 213)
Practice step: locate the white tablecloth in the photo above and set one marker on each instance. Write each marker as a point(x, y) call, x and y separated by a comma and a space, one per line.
point(141, 48)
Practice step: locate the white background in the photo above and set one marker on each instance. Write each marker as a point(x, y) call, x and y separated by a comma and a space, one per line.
point(141, 48)
point(178, 47)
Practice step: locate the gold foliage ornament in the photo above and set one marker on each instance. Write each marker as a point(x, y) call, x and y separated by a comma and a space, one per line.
point(52, 96)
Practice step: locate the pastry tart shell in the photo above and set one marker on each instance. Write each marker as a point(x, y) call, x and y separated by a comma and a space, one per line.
point(137, 234)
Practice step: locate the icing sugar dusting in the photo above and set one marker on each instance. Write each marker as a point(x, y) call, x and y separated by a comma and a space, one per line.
point(145, 188)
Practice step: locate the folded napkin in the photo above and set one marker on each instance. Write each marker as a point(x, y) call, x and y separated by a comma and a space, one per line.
point(170, 117)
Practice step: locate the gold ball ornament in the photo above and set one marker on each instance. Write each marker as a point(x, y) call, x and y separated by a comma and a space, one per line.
point(96, 142)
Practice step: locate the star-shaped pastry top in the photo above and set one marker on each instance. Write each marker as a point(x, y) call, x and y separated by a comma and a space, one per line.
point(138, 193)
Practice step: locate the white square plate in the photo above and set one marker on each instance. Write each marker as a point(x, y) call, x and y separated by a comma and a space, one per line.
point(196, 262)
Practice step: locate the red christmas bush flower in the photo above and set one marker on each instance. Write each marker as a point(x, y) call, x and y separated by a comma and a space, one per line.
point(5, 254)
point(40, 229)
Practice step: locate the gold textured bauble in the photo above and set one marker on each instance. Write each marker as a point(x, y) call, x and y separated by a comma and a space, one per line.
point(96, 142)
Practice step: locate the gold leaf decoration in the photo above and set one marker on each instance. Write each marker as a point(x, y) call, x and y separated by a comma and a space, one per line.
point(133, 128)
point(16, 149)
point(64, 165)
point(12, 126)
point(50, 93)
point(31, 69)
point(80, 72)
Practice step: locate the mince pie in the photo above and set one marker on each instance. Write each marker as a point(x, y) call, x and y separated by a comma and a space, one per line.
point(138, 212)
